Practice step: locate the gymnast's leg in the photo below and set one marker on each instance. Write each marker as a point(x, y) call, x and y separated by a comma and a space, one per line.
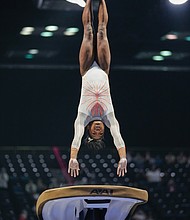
point(86, 55)
point(103, 49)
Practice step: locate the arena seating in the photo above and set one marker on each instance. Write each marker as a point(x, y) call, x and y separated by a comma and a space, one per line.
point(168, 198)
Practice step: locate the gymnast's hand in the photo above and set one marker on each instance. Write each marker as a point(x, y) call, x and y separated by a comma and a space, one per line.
point(122, 167)
point(73, 167)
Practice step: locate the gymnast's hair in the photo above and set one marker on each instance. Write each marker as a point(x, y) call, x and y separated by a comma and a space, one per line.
point(94, 144)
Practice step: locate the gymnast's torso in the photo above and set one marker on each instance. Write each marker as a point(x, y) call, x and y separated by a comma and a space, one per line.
point(96, 104)
point(95, 100)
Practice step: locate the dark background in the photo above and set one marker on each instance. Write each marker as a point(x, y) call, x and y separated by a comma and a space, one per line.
point(39, 97)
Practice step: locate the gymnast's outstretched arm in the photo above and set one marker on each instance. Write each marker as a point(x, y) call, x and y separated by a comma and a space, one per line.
point(119, 143)
point(73, 168)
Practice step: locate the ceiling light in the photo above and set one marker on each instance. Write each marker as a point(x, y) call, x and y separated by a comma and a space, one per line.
point(174, 35)
point(158, 58)
point(162, 55)
point(46, 34)
point(27, 30)
point(29, 56)
point(25, 33)
point(33, 51)
point(187, 38)
point(51, 28)
point(178, 2)
point(170, 37)
point(165, 53)
point(81, 3)
point(71, 31)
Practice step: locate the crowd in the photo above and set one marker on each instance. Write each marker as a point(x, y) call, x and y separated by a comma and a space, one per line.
point(152, 169)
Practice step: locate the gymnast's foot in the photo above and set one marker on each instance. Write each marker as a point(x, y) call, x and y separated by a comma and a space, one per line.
point(81, 3)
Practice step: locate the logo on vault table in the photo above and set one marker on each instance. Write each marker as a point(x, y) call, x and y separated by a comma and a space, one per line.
point(102, 191)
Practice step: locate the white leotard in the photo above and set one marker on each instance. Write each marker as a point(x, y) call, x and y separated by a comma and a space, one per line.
point(95, 98)
point(96, 104)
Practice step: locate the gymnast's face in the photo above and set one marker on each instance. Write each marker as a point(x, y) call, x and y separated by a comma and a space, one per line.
point(96, 130)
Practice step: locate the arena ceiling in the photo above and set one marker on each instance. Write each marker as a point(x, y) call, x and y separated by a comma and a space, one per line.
point(39, 87)
point(138, 31)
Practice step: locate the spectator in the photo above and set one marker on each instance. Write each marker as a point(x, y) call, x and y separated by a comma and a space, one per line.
point(139, 215)
point(149, 160)
point(4, 178)
point(158, 161)
point(31, 187)
point(153, 175)
point(23, 215)
point(170, 158)
point(139, 160)
point(181, 158)
point(171, 186)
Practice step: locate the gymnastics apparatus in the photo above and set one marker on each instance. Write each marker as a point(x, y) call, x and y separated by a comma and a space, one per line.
point(89, 202)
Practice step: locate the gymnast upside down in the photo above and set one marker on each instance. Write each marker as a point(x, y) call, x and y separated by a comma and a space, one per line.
point(95, 109)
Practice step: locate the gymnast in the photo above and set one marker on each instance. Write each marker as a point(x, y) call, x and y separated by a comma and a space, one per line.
point(95, 109)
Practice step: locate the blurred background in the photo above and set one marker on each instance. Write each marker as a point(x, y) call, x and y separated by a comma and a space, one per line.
point(40, 90)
